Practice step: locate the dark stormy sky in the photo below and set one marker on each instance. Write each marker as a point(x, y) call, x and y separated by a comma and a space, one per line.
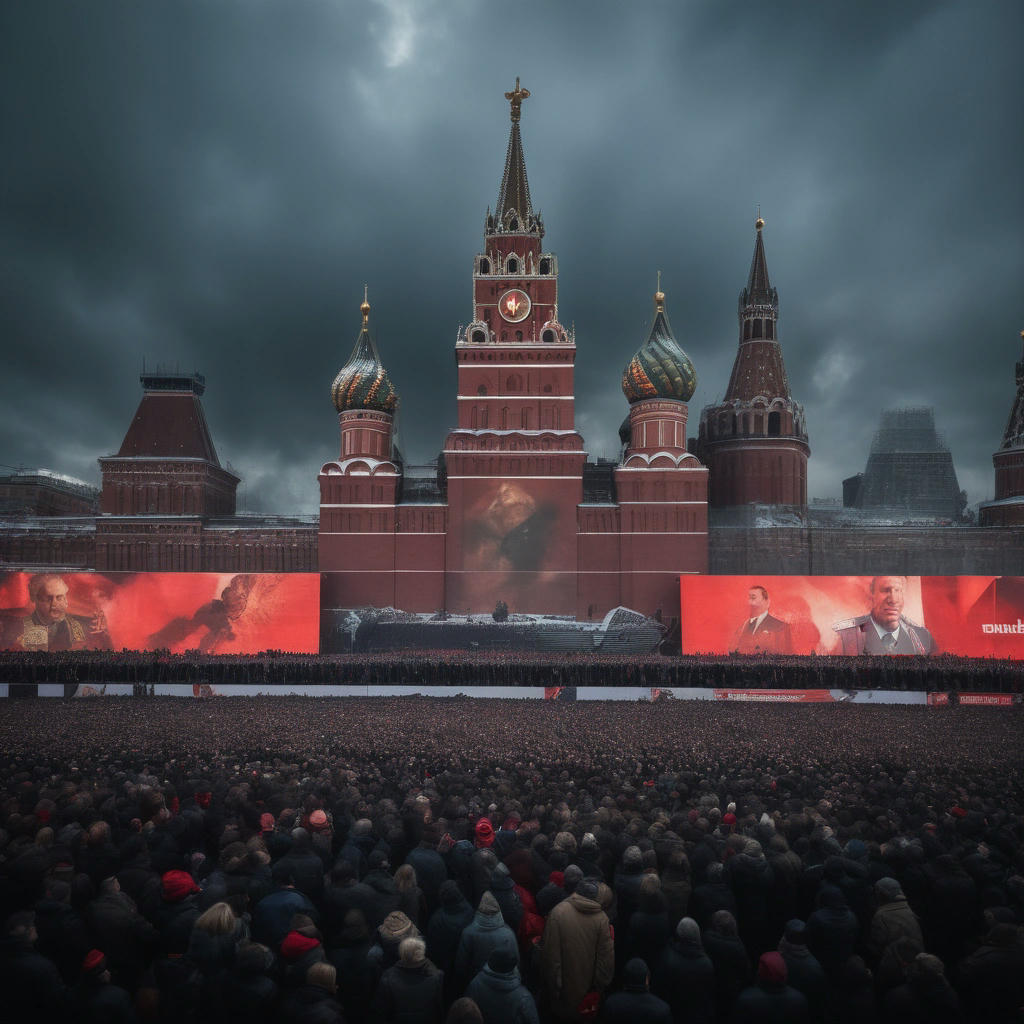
point(210, 184)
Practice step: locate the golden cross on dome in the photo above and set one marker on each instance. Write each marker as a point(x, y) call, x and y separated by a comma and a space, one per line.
point(516, 98)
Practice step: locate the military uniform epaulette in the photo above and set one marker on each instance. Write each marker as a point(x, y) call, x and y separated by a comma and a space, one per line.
point(849, 623)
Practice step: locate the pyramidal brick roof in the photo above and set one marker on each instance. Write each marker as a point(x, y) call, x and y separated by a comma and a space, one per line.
point(169, 422)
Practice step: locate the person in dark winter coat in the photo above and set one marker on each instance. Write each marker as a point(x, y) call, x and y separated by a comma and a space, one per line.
point(358, 846)
point(991, 979)
point(684, 976)
point(179, 910)
point(126, 937)
point(500, 994)
point(386, 896)
point(925, 998)
point(803, 971)
point(410, 991)
point(770, 1000)
point(626, 886)
point(486, 933)
point(733, 971)
point(503, 889)
point(301, 866)
point(752, 881)
point(711, 896)
point(63, 936)
point(313, 1002)
point(342, 893)
point(853, 996)
point(96, 1000)
point(431, 870)
point(357, 974)
point(635, 1004)
point(273, 914)
point(444, 930)
point(249, 992)
point(832, 931)
point(31, 986)
point(648, 929)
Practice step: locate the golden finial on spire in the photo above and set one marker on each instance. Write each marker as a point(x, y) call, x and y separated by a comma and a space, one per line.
point(364, 306)
point(659, 297)
point(759, 223)
point(516, 98)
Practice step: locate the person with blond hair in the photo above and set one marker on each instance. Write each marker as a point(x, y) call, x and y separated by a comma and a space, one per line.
point(410, 991)
point(314, 1000)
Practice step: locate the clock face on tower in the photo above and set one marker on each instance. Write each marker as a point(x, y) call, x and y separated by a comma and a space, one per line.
point(514, 305)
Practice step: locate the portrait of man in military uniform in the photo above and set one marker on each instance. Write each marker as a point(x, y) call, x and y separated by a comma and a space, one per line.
point(50, 626)
point(885, 629)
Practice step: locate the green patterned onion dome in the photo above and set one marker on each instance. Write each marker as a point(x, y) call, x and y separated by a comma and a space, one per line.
point(660, 368)
point(362, 382)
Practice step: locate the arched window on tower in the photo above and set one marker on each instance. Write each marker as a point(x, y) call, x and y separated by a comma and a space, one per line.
point(519, 335)
point(769, 329)
point(545, 265)
point(478, 337)
point(758, 328)
point(485, 265)
point(512, 265)
point(746, 330)
point(547, 336)
point(774, 424)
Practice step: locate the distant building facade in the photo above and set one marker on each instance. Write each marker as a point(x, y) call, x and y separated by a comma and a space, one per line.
point(909, 468)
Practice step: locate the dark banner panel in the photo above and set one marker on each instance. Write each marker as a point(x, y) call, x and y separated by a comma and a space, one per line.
point(216, 613)
point(974, 616)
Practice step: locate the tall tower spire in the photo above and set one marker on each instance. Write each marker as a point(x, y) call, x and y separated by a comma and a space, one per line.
point(755, 442)
point(514, 211)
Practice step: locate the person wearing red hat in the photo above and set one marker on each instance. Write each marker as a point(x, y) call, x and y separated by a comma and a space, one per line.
point(483, 834)
point(95, 997)
point(770, 999)
point(178, 911)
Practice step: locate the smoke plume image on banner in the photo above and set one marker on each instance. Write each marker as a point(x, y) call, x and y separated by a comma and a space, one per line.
point(975, 616)
point(216, 613)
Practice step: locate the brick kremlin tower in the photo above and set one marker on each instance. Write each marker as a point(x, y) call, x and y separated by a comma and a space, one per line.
point(754, 442)
point(1008, 507)
point(514, 460)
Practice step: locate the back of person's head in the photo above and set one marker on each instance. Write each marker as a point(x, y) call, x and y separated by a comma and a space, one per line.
point(650, 884)
point(217, 920)
point(253, 958)
point(926, 968)
point(412, 952)
point(636, 973)
point(323, 975)
point(716, 872)
point(571, 877)
point(405, 878)
point(464, 1011)
point(301, 839)
point(723, 923)
point(688, 930)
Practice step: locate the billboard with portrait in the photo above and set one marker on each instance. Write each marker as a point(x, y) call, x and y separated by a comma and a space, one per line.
point(974, 616)
point(215, 613)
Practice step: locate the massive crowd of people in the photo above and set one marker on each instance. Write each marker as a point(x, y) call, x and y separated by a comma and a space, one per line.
point(519, 668)
point(417, 860)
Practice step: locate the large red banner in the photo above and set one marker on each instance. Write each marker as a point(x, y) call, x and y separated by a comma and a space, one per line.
point(216, 613)
point(975, 616)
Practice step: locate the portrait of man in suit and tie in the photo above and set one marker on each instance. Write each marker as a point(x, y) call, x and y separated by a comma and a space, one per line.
point(761, 632)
